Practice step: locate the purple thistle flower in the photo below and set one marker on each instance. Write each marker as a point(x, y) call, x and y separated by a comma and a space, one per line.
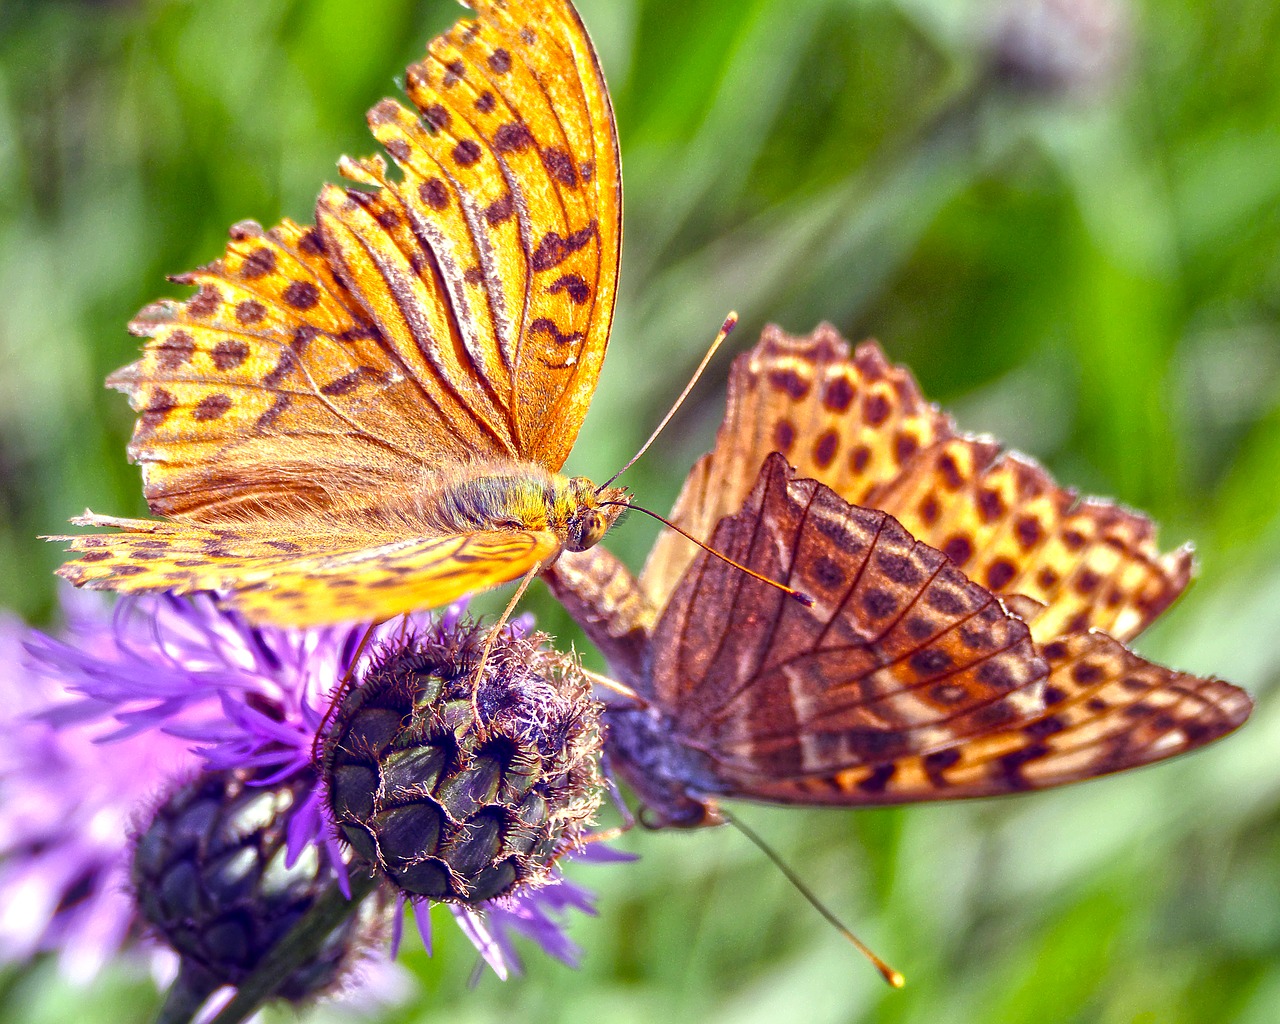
point(105, 716)
point(66, 802)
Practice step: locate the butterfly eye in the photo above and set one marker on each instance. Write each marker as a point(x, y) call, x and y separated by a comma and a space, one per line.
point(597, 527)
point(585, 530)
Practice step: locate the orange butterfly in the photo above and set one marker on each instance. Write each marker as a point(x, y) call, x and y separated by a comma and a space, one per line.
point(909, 679)
point(366, 416)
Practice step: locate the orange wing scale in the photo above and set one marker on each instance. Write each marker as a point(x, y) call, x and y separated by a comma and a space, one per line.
point(498, 250)
point(847, 422)
point(1002, 519)
point(268, 374)
point(861, 426)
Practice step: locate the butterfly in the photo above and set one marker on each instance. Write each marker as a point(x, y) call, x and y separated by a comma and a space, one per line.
point(969, 618)
point(368, 416)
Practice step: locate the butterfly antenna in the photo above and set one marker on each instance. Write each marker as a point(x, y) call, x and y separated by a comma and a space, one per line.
point(730, 322)
point(799, 595)
point(888, 973)
point(340, 691)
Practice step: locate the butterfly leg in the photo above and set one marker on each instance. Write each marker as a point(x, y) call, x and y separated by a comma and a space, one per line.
point(628, 819)
point(630, 697)
point(525, 580)
point(340, 691)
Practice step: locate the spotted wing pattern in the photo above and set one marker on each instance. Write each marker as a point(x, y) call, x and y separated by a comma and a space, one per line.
point(270, 388)
point(861, 426)
point(850, 423)
point(460, 312)
point(314, 578)
point(750, 695)
point(1103, 709)
point(898, 654)
point(1001, 518)
point(494, 256)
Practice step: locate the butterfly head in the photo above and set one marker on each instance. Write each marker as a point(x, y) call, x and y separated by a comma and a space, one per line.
point(591, 512)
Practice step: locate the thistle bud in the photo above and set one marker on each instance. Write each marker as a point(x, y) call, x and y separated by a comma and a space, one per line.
point(209, 874)
point(460, 789)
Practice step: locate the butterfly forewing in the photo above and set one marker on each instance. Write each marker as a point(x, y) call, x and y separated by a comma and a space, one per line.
point(510, 200)
point(897, 653)
point(409, 277)
point(849, 422)
point(268, 388)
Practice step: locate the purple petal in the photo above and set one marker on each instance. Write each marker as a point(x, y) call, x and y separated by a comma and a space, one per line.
point(473, 927)
point(422, 917)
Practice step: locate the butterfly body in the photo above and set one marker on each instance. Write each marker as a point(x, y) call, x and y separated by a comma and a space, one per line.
point(671, 778)
point(519, 496)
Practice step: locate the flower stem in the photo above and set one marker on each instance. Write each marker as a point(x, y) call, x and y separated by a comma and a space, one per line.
point(297, 948)
point(186, 995)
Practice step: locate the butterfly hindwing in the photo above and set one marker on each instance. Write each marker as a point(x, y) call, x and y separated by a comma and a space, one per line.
point(374, 583)
point(316, 577)
point(1101, 710)
point(1000, 517)
point(850, 422)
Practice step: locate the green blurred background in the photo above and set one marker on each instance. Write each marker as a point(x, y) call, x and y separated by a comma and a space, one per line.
point(1075, 245)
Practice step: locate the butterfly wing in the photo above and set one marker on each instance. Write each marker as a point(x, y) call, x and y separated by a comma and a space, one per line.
point(493, 259)
point(1000, 517)
point(1103, 710)
point(906, 681)
point(461, 312)
point(270, 389)
point(861, 426)
point(848, 422)
point(316, 576)
point(899, 654)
